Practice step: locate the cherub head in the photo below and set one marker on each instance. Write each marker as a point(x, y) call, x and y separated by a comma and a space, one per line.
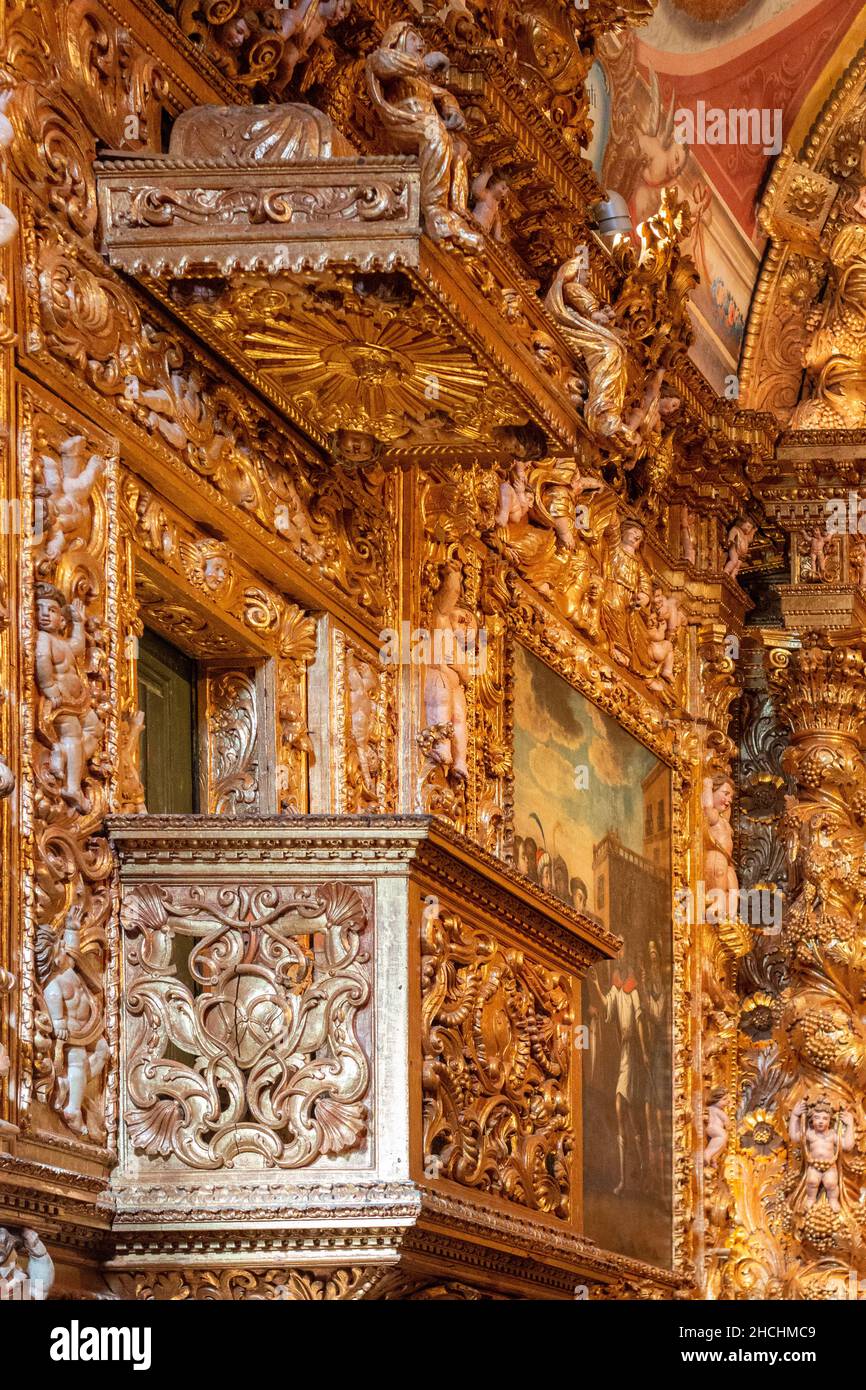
point(51, 609)
point(73, 449)
point(723, 793)
point(236, 32)
point(820, 1115)
point(208, 566)
point(631, 535)
point(355, 447)
point(544, 348)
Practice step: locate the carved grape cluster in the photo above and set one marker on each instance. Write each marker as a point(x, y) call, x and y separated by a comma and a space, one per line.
point(822, 1040)
point(822, 1226)
point(812, 771)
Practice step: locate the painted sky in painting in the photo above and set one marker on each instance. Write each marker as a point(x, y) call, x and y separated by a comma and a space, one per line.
point(557, 731)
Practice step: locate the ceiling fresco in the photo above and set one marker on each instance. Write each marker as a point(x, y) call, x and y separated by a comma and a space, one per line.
point(715, 89)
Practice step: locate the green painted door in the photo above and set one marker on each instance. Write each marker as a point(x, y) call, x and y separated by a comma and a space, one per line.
point(167, 695)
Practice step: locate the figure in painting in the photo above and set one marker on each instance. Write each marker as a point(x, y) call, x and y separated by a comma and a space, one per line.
point(664, 156)
point(621, 1007)
point(654, 993)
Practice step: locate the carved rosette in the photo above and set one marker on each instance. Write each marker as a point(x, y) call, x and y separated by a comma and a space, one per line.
point(796, 1178)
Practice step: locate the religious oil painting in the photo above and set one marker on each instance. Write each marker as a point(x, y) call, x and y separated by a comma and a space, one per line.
point(592, 824)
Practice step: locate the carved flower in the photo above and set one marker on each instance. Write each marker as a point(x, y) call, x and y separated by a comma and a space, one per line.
point(759, 1134)
point(799, 283)
point(758, 1017)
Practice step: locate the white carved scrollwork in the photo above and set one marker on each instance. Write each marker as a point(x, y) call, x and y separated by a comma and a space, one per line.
point(254, 1055)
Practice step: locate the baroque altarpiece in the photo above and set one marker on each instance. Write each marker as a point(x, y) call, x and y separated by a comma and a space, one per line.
point(420, 669)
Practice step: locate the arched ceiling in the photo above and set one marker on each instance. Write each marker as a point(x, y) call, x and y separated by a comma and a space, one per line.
point(697, 56)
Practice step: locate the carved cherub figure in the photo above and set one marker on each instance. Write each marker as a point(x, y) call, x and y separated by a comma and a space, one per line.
point(176, 410)
point(292, 522)
point(363, 692)
point(59, 677)
point(26, 1268)
point(130, 792)
point(720, 876)
point(717, 1126)
point(515, 496)
point(489, 191)
point(857, 561)
point(8, 220)
point(740, 537)
point(234, 33)
point(812, 1125)
point(423, 118)
point(663, 624)
point(453, 632)
point(68, 482)
point(302, 26)
point(817, 541)
point(687, 535)
point(81, 1052)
